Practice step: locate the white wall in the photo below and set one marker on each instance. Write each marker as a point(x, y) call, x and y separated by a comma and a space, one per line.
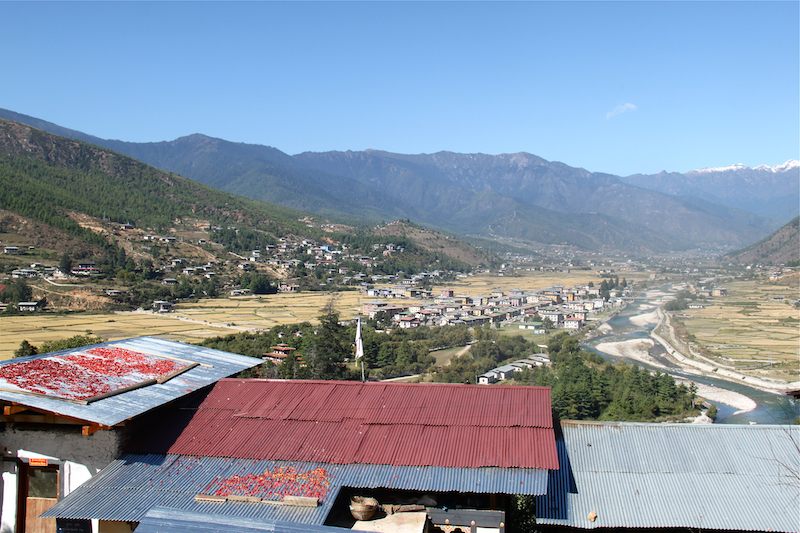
point(83, 457)
point(8, 511)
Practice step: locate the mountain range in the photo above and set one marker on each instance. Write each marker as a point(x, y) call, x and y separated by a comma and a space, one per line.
point(772, 192)
point(64, 196)
point(514, 196)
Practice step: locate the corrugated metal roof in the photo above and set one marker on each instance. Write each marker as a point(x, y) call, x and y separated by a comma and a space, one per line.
point(371, 423)
point(675, 475)
point(213, 366)
point(167, 519)
point(129, 487)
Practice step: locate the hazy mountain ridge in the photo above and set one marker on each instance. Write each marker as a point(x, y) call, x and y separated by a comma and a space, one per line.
point(772, 192)
point(520, 185)
point(782, 247)
point(509, 195)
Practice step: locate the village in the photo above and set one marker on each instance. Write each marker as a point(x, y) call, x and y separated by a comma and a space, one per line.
point(194, 266)
point(554, 307)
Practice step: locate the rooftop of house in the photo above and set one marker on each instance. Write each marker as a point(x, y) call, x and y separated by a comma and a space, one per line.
point(112, 382)
point(130, 487)
point(699, 476)
point(340, 422)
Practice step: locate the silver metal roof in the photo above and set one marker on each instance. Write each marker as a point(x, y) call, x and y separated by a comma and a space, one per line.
point(729, 477)
point(214, 365)
point(161, 519)
point(129, 487)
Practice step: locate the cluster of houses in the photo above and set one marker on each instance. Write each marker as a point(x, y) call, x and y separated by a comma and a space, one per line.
point(291, 253)
point(153, 435)
point(17, 250)
point(554, 307)
point(36, 270)
point(342, 267)
point(507, 371)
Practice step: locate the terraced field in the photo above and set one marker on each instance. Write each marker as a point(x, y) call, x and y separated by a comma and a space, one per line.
point(110, 326)
point(755, 329)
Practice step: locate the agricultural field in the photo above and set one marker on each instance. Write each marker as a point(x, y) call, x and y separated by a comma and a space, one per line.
point(263, 312)
point(37, 329)
point(191, 322)
point(755, 329)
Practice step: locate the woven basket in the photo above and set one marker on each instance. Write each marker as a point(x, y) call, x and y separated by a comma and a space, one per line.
point(363, 508)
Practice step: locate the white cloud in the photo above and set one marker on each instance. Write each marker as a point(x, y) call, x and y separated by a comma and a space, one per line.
point(620, 109)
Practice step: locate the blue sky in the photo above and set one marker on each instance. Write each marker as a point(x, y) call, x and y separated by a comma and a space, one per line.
point(615, 87)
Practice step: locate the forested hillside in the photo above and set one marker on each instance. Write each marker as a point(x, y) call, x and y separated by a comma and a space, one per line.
point(45, 177)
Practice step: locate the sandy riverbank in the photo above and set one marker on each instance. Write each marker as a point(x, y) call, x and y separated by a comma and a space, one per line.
point(639, 350)
point(645, 319)
point(604, 328)
point(738, 401)
point(636, 349)
point(708, 368)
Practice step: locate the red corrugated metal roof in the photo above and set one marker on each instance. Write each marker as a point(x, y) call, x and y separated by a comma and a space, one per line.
point(373, 423)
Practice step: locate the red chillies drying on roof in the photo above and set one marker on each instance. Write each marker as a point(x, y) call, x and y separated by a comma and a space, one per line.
point(83, 375)
point(273, 484)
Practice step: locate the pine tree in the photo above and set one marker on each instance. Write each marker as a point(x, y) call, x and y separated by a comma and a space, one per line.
point(25, 349)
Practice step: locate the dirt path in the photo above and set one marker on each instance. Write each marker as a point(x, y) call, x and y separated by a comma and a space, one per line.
point(63, 284)
point(462, 351)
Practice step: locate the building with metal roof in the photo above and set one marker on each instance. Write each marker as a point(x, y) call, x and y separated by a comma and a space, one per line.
point(341, 422)
point(163, 519)
point(66, 415)
point(635, 475)
point(259, 440)
point(204, 367)
point(128, 488)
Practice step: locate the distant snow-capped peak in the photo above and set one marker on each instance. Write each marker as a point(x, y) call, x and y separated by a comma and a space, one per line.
point(790, 164)
point(783, 167)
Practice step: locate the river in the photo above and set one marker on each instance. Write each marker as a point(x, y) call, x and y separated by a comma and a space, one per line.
point(771, 408)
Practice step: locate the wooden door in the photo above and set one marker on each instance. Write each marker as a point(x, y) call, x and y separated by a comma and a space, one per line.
point(39, 489)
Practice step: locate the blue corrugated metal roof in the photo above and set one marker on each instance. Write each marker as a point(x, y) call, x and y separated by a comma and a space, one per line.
point(129, 487)
point(214, 365)
point(165, 519)
point(675, 475)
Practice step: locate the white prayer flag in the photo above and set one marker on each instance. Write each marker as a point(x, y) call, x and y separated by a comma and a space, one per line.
point(359, 342)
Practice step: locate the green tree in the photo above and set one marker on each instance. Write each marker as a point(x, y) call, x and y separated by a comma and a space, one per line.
point(25, 349)
point(76, 341)
point(65, 264)
point(329, 349)
point(16, 291)
point(258, 283)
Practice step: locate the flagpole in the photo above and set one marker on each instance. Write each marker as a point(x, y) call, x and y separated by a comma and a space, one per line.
point(360, 350)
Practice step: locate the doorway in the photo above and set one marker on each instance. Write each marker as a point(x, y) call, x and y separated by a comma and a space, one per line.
point(39, 488)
